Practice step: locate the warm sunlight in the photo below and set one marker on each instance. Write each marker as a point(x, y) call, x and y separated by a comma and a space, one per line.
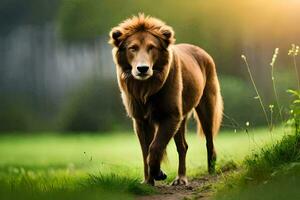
point(139, 99)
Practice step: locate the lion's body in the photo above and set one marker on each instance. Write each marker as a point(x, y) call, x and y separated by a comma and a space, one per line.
point(184, 79)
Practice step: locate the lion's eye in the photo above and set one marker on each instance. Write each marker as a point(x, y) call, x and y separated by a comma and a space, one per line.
point(151, 47)
point(133, 48)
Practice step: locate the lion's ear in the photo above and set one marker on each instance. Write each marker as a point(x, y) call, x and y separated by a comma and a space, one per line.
point(168, 35)
point(115, 35)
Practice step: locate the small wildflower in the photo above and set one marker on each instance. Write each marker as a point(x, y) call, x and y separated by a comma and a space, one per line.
point(247, 123)
point(234, 130)
point(271, 107)
point(276, 51)
point(294, 50)
point(297, 50)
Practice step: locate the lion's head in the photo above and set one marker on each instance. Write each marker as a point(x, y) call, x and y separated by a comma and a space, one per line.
point(141, 46)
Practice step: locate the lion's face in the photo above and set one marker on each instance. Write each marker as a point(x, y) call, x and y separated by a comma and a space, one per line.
point(141, 48)
point(142, 55)
point(142, 51)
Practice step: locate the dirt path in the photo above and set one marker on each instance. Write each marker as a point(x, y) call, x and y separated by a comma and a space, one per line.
point(198, 188)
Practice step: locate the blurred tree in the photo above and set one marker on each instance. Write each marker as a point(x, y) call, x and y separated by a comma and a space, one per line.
point(15, 12)
point(225, 29)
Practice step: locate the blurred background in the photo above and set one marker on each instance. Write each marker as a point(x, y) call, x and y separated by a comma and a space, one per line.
point(57, 74)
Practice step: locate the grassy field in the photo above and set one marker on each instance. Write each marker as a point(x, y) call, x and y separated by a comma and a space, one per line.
point(106, 165)
point(272, 173)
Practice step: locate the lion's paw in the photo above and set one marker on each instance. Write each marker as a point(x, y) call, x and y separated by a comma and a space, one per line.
point(181, 180)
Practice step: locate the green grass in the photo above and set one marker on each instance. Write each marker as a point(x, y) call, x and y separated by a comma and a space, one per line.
point(105, 166)
point(271, 173)
point(282, 184)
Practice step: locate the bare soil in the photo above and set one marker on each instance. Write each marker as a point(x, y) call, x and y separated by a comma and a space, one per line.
point(198, 188)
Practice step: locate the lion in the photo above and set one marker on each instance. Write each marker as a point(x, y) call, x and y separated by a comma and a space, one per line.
point(161, 83)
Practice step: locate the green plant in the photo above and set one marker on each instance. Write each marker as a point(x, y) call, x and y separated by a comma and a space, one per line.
point(293, 52)
point(273, 166)
point(257, 93)
point(295, 109)
point(276, 51)
point(295, 105)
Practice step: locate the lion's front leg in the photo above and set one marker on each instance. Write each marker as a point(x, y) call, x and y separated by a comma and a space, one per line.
point(166, 130)
point(145, 132)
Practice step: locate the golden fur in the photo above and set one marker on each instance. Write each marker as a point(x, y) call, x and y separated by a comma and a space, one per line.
point(177, 80)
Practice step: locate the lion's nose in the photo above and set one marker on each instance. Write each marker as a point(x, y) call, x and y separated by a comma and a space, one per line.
point(142, 69)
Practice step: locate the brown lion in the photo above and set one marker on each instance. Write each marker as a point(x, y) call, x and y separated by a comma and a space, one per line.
point(161, 83)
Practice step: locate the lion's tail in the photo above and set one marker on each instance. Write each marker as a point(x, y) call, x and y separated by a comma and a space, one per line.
point(216, 121)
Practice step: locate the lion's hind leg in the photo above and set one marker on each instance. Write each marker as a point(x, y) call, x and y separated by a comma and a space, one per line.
point(209, 112)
